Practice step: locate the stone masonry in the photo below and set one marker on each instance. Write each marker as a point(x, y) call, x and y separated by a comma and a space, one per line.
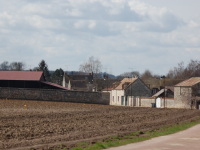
point(55, 95)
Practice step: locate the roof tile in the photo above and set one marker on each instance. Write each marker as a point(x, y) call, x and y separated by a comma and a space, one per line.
point(125, 80)
point(21, 75)
point(189, 82)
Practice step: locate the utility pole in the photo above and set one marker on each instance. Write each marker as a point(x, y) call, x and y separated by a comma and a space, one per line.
point(163, 77)
point(132, 100)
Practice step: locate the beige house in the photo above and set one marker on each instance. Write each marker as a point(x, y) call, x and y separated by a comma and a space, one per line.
point(187, 93)
point(129, 92)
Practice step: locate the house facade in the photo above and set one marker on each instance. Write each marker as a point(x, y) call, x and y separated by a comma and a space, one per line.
point(79, 82)
point(129, 92)
point(187, 93)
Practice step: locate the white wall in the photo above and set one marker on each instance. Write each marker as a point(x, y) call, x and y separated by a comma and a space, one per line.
point(116, 96)
point(147, 102)
point(139, 101)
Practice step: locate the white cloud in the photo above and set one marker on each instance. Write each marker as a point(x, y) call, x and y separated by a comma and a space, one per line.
point(92, 24)
point(73, 12)
point(123, 33)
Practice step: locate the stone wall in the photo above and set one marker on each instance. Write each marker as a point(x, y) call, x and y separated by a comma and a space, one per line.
point(147, 101)
point(183, 96)
point(55, 95)
point(151, 102)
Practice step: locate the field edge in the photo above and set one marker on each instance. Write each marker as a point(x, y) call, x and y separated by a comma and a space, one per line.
point(134, 137)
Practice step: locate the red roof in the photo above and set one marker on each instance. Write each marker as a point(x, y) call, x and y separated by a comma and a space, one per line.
point(56, 85)
point(21, 75)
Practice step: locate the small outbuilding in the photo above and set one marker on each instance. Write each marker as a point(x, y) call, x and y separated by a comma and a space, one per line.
point(162, 96)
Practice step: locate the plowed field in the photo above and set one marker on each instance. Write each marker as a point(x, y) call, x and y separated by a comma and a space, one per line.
point(42, 125)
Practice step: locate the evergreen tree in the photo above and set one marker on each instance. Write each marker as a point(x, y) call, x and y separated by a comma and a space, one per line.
point(57, 76)
point(42, 66)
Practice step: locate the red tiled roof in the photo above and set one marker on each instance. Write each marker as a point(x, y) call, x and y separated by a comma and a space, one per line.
point(21, 75)
point(189, 82)
point(53, 84)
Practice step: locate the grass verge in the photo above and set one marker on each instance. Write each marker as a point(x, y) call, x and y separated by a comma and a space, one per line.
point(134, 137)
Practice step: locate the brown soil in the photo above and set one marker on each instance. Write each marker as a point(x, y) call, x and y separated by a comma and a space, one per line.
point(43, 125)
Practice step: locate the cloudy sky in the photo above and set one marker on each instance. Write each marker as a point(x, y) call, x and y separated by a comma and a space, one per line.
point(125, 35)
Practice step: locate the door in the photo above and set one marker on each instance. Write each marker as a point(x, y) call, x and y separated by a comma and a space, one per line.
point(126, 101)
point(122, 100)
point(158, 102)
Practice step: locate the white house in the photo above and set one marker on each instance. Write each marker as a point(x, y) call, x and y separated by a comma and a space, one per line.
point(129, 92)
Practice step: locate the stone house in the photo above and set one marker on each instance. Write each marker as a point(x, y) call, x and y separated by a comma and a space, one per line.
point(128, 92)
point(79, 82)
point(187, 93)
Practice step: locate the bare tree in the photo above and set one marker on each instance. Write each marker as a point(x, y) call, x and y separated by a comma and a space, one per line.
point(5, 66)
point(147, 74)
point(193, 68)
point(17, 66)
point(182, 72)
point(92, 65)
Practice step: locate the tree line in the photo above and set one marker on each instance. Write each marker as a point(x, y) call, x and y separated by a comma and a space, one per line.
point(93, 65)
point(192, 69)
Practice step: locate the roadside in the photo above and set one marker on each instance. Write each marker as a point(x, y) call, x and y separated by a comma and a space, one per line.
point(183, 140)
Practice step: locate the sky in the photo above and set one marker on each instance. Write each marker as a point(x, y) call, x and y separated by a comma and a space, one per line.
point(125, 35)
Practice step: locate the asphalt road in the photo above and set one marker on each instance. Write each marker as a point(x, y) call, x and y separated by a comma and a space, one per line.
point(184, 140)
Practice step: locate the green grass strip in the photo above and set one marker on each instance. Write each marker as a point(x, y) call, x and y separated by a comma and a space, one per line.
point(134, 137)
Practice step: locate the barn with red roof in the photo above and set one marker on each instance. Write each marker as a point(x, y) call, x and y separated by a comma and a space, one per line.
point(32, 85)
point(26, 79)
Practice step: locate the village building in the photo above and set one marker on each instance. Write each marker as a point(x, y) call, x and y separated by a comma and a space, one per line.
point(79, 82)
point(187, 93)
point(26, 79)
point(164, 97)
point(156, 84)
point(32, 85)
point(129, 92)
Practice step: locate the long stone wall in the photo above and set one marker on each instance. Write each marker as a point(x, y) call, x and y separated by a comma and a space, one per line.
point(55, 95)
point(147, 101)
point(150, 101)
